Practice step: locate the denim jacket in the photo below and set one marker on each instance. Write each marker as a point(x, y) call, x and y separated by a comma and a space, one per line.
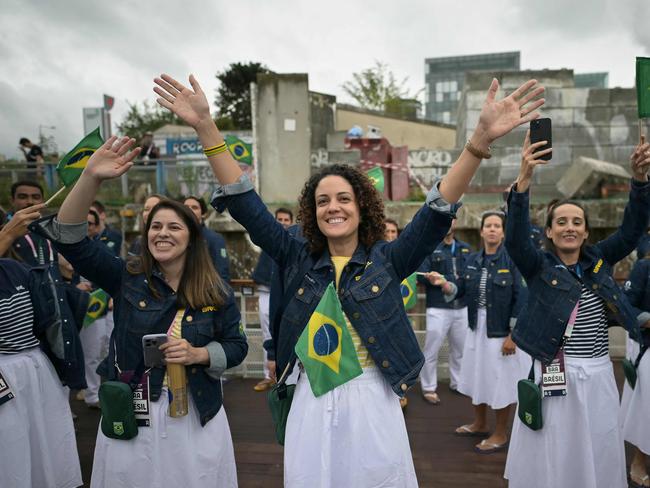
point(369, 287)
point(137, 312)
point(554, 290)
point(217, 249)
point(505, 291)
point(442, 261)
point(637, 290)
point(263, 270)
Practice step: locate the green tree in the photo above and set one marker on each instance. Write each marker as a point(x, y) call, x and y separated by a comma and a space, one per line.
point(145, 117)
point(233, 100)
point(377, 88)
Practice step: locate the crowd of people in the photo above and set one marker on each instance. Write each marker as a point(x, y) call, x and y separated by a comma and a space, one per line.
point(514, 309)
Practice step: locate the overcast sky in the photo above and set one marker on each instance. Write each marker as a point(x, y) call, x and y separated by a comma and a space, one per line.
point(58, 57)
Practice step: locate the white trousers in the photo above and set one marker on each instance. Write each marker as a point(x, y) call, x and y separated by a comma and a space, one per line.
point(93, 340)
point(263, 310)
point(441, 323)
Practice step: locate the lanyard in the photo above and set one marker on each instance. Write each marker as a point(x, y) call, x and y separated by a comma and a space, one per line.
point(38, 254)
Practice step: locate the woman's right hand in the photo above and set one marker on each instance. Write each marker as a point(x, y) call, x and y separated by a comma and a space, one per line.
point(18, 225)
point(112, 159)
point(530, 157)
point(191, 105)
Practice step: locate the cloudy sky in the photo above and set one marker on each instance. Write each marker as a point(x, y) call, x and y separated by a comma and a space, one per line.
point(58, 57)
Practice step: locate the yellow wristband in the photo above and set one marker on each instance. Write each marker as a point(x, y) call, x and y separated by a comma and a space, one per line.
point(214, 150)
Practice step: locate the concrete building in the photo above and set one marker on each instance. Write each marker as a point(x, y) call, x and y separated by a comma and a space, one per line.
point(592, 80)
point(444, 79)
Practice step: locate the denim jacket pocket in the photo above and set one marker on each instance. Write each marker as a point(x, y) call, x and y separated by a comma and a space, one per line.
point(373, 294)
point(199, 334)
point(503, 280)
point(145, 314)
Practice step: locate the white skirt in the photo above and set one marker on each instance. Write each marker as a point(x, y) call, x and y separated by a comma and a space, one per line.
point(171, 452)
point(37, 439)
point(580, 444)
point(353, 436)
point(486, 375)
point(636, 426)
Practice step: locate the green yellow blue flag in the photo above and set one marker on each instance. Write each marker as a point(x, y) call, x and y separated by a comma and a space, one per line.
point(96, 306)
point(409, 290)
point(73, 163)
point(240, 150)
point(643, 87)
point(376, 176)
point(325, 346)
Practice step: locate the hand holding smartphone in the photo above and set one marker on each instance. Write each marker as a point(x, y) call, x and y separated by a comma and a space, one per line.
point(540, 130)
point(153, 356)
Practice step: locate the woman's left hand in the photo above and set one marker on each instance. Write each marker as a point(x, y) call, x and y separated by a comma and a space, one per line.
point(508, 347)
point(640, 161)
point(179, 351)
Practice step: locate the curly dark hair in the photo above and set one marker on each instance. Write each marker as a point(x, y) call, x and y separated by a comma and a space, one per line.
point(371, 207)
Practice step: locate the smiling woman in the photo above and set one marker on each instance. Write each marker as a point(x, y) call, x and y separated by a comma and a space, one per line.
point(353, 434)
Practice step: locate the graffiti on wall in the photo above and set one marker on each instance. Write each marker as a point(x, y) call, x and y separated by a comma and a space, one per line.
point(427, 164)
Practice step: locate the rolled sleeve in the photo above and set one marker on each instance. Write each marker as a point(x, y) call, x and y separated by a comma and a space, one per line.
point(57, 231)
point(242, 185)
point(451, 296)
point(218, 361)
point(435, 201)
point(642, 318)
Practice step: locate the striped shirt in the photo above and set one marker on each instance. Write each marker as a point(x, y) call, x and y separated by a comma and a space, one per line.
point(16, 312)
point(589, 338)
point(482, 289)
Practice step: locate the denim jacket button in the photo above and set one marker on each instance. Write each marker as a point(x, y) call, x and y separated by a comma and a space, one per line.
point(189, 318)
point(371, 340)
point(404, 387)
point(553, 282)
point(356, 315)
point(357, 278)
point(374, 288)
point(142, 304)
point(301, 291)
point(385, 363)
point(193, 370)
point(594, 286)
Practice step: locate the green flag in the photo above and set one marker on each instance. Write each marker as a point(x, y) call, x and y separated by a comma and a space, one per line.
point(240, 150)
point(376, 176)
point(96, 306)
point(643, 87)
point(325, 346)
point(409, 290)
point(73, 163)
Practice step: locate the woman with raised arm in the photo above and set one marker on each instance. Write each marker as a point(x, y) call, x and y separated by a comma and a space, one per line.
point(171, 288)
point(353, 435)
point(572, 297)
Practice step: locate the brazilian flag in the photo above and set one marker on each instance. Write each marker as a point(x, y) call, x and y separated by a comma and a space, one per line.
point(96, 306)
point(325, 346)
point(643, 87)
point(376, 176)
point(73, 163)
point(240, 150)
point(409, 290)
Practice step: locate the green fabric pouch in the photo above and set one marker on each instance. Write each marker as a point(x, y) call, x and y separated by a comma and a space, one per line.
point(118, 416)
point(279, 399)
point(630, 372)
point(529, 396)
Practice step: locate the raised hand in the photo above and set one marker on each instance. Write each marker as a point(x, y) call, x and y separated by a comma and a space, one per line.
point(113, 159)
point(530, 158)
point(500, 117)
point(640, 161)
point(191, 105)
point(17, 226)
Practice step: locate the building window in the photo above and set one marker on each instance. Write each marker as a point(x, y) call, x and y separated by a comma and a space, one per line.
point(446, 117)
point(439, 95)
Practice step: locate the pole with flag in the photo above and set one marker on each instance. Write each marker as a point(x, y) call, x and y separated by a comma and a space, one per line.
point(376, 176)
point(73, 163)
point(409, 290)
point(96, 306)
point(642, 92)
point(325, 347)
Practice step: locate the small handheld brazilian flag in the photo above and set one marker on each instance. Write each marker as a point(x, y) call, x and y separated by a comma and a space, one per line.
point(325, 346)
point(409, 291)
point(240, 150)
point(96, 306)
point(73, 163)
point(643, 87)
point(376, 176)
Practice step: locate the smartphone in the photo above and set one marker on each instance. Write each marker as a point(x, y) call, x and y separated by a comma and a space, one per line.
point(153, 356)
point(540, 130)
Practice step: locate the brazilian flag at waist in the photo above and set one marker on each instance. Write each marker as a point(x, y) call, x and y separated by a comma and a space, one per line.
point(240, 150)
point(409, 291)
point(96, 306)
point(325, 346)
point(72, 164)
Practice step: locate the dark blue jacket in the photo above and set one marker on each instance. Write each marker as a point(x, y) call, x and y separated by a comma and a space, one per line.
point(35, 250)
point(138, 312)
point(505, 291)
point(217, 249)
point(111, 239)
point(369, 287)
point(553, 290)
point(442, 261)
point(637, 290)
point(263, 270)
